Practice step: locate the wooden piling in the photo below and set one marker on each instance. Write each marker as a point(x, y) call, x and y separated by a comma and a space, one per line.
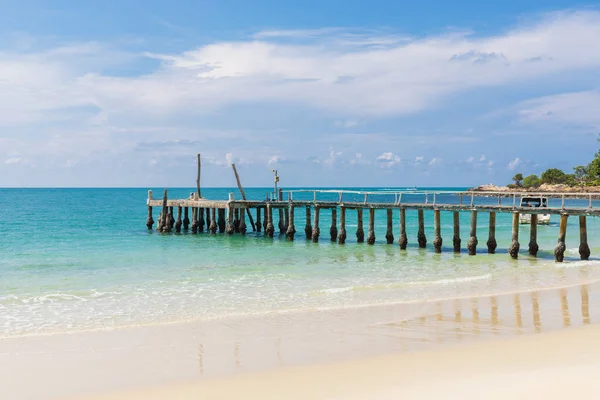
point(308, 226)
point(491, 243)
point(195, 212)
point(437, 240)
point(291, 228)
point(472, 243)
point(559, 251)
point(360, 232)
point(333, 229)
point(316, 230)
point(171, 222)
point(286, 219)
point(208, 219)
point(456, 238)
point(186, 218)
point(269, 228)
point(389, 235)
point(201, 220)
point(533, 246)
point(258, 224)
point(421, 238)
point(281, 223)
point(266, 219)
point(179, 221)
point(236, 220)
point(150, 220)
point(403, 239)
point(342, 233)
point(584, 249)
point(230, 221)
point(371, 234)
point(163, 216)
point(213, 221)
point(513, 250)
point(243, 228)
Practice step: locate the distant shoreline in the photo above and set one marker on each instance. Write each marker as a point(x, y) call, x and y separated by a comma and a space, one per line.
point(544, 188)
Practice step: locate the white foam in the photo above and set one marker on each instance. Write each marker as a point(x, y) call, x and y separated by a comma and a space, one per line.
point(451, 280)
point(337, 290)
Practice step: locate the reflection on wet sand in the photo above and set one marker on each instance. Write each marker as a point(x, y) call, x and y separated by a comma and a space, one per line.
point(327, 335)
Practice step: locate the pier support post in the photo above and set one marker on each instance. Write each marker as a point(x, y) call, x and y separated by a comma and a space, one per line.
point(437, 240)
point(150, 220)
point(243, 227)
point(162, 223)
point(584, 249)
point(421, 238)
point(195, 219)
point(513, 250)
point(472, 243)
point(371, 234)
point(230, 221)
point(316, 230)
point(533, 246)
point(308, 227)
point(291, 229)
point(333, 229)
point(186, 218)
point(236, 220)
point(360, 231)
point(342, 234)
point(269, 228)
point(221, 221)
point(559, 251)
point(171, 220)
point(403, 240)
point(286, 219)
point(179, 221)
point(201, 220)
point(389, 234)
point(208, 219)
point(258, 224)
point(456, 238)
point(281, 224)
point(213, 221)
point(491, 243)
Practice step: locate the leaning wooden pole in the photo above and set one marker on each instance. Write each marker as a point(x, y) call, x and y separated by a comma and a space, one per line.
point(198, 177)
point(239, 184)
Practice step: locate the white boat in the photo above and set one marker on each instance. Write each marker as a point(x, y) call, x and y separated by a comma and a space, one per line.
point(542, 219)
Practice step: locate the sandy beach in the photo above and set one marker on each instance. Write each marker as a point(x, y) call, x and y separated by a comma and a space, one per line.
point(456, 347)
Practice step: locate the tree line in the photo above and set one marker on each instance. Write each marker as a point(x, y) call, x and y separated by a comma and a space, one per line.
point(583, 175)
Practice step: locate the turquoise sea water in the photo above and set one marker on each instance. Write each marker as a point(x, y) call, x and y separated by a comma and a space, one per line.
point(77, 259)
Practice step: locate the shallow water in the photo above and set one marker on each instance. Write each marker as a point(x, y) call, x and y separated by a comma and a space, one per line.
point(79, 259)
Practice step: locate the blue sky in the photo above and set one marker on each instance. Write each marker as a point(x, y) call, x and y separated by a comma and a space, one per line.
point(331, 93)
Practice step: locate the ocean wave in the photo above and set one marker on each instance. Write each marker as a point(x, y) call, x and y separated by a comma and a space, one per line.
point(578, 264)
point(449, 281)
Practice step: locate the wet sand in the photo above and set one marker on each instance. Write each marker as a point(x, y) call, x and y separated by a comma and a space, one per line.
point(362, 352)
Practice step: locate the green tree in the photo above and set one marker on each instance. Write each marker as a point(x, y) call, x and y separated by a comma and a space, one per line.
point(580, 174)
point(518, 178)
point(531, 181)
point(554, 176)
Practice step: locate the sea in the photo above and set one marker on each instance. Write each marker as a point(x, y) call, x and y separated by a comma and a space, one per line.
point(82, 259)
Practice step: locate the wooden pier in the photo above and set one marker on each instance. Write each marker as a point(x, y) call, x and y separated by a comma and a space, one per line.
point(229, 216)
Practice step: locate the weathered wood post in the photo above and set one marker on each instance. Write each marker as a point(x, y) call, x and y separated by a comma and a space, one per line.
point(584, 249)
point(371, 234)
point(472, 243)
point(195, 220)
point(286, 219)
point(491, 243)
point(258, 225)
point(559, 251)
point(281, 224)
point(291, 229)
point(533, 246)
point(236, 220)
point(316, 230)
point(403, 240)
point(421, 238)
point(389, 234)
point(213, 221)
point(186, 218)
point(208, 219)
point(360, 232)
point(243, 227)
point(201, 219)
point(171, 222)
point(221, 222)
point(308, 227)
point(333, 229)
point(266, 219)
point(179, 221)
point(150, 220)
point(230, 221)
point(241, 189)
point(342, 233)
point(513, 249)
point(437, 239)
point(269, 228)
point(164, 214)
point(456, 238)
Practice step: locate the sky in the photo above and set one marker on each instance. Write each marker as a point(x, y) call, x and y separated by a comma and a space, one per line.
point(329, 92)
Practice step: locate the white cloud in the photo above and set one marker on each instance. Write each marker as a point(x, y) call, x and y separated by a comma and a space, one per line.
point(13, 160)
point(435, 161)
point(388, 160)
point(333, 156)
point(482, 158)
point(514, 163)
point(419, 159)
point(573, 108)
point(470, 159)
point(346, 124)
point(490, 164)
point(275, 160)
